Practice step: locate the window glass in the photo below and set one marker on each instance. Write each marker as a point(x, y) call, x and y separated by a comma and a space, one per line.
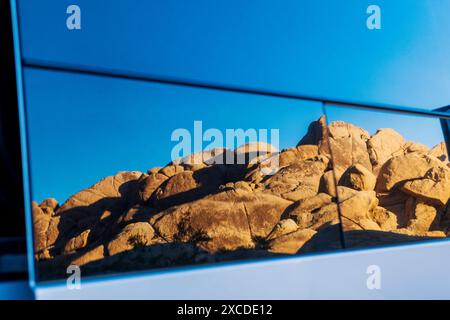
point(129, 175)
point(318, 48)
point(393, 176)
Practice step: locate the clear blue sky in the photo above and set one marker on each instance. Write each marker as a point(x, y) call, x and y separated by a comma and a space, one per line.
point(83, 128)
point(425, 130)
point(315, 47)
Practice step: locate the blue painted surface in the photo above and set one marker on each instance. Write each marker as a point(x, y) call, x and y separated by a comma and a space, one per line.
point(317, 48)
point(15, 290)
point(23, 143)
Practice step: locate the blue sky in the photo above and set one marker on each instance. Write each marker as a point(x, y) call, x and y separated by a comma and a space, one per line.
point(313, 47)
point(83, 128)
point(425, 130)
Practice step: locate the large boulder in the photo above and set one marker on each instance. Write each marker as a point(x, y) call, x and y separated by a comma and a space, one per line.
point(133, 235)
point(440, 151)
point(149, 184)
point(188, 186)
point(328, 183)
point(46, 230)
point(113, 191)
point(78, 242)
point(291, 243)
point(283, 227)
point(356, 210)
point(225, 221)
point(171, 170)
point(205, 157)
point(302, 211)
point(359, 178)
point(382, 146)
point(411, 146)
point(249, 151)
point(434, 187)
point(299, 180)
point(402, 168)
point(300, 153)
point(348, 145)
point(424, 217)
point(317, 134)
point(384, 218)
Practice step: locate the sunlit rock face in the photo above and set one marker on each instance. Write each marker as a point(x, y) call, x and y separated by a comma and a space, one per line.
point(378, 189)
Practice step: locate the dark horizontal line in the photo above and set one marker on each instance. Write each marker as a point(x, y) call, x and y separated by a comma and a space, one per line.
point(140, 77)
point(13, 276)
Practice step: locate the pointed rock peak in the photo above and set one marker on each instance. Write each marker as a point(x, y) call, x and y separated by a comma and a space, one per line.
point(440, 152)
point(317, 131)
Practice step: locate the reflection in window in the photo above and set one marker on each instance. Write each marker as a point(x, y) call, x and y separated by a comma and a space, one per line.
point(393, 176)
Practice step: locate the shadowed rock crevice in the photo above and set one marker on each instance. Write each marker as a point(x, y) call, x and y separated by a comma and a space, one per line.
point(200, 210)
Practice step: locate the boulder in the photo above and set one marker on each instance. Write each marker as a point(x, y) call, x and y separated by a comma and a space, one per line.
point(328, 184)
point(137, 213)
point(48, 230)
point(283, 227)
point(225, 221)
point(317, 133)
point(301, 211)
point(357, 208)
point(411, 146)
point(344, 193)
point(348, 145)
point(400, 169)
point(206, 157)
point(49, 205)
point(359, 178)
point(95, 254)
point(177, 184)
point(41, 222)
point(132, 235)
point(434, 187)
point(324, 217)
point(112, 191)
point(78, 242)
point(300, 153)
point(171, 170)
point(386, 220)
point(188, 186)
point(423, 218)
point(154, 170)
point(299, 180)
point(382, 146)
point(440, 151)
point(291, 243)
point(249, 151)
point(149, 184)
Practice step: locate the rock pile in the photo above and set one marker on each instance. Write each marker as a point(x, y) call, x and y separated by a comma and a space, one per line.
point(381, 189)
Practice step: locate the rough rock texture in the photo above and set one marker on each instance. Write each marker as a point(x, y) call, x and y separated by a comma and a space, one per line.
point(298, 180)
point(348, 145)
point(382, 146)
point(440, 151)
point(378, 189)
point(402, 168)
point(359, 178)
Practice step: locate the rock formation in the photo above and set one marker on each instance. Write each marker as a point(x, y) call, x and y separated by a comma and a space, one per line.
point(379, 189)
